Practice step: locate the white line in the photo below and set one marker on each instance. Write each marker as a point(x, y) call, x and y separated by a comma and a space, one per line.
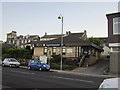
point(21, 72)
point(73, 79)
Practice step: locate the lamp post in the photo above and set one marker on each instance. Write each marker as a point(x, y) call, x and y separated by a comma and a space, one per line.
point(61, 17)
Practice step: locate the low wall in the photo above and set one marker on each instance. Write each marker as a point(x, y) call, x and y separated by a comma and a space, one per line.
point(92, 60)
point(115, 62)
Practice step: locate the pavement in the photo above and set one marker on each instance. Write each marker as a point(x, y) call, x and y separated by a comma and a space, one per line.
point(79, 73)
point(96, 70)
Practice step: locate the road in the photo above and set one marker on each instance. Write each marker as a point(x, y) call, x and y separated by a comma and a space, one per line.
point(23, 78)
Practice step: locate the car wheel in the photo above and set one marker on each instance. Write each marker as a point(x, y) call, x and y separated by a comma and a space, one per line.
point(10, 65)
point(40, 69)
point(3, 64)
point(29, 68)
point(48, 70)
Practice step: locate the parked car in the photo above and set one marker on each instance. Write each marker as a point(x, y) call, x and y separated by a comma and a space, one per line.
point(110, 83)
point(39, 65)
point(11, 62)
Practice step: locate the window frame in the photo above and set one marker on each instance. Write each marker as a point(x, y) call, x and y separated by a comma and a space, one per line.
point(116, 21)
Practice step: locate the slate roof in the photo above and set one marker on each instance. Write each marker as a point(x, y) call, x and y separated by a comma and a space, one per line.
point(69, 40)
point(59, 35)
point(77, 34)
point(52, 36)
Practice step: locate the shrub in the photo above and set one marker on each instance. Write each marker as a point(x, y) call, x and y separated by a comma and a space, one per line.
point(56, 58)
point(64, 67)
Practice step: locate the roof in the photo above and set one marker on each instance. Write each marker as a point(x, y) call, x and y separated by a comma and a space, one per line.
point(28, 36)
point(113, 13)
point(59, 35)
point(69, 40)
point(11, 32)
point(77, 34)
point(52, 36)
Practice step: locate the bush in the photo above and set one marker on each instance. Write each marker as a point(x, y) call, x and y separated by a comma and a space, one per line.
point(56, 58)
point(64, 67)
point(55, 66)
point(69, 67)
point(70, 62)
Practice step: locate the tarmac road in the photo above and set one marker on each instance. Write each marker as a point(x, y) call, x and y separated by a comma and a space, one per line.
point(23, 78)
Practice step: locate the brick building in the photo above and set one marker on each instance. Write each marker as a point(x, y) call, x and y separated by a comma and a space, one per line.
point(114, 41)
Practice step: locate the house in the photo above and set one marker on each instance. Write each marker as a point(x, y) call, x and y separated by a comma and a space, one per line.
point(81, 35)
point(20, 41)
point(114, 41)
point(73, 47)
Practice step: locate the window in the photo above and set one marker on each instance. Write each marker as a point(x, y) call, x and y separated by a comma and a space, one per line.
point(58, 50)
point(63, 50)
point(29, 40)
point(45, 50)
point(25, 41)
point(116, 25)
point(115, 49)
point(69, 50)
point(54, 50)
point(22, 41)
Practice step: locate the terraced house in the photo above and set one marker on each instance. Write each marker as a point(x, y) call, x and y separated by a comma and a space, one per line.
point(20, 41)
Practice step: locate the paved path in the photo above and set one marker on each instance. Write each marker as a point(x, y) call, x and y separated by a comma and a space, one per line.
point(97, 69)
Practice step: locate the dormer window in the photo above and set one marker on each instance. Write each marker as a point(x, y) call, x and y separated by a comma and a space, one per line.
point(116, 25)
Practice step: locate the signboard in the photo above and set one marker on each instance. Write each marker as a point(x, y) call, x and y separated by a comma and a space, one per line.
point(52, 45)
point(43, 59)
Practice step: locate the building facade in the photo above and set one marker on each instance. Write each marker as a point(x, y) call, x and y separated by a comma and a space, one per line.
point(21, 41)
point(73, 47)
point(114, 41)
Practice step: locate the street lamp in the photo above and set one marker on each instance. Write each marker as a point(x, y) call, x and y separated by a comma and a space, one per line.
point(61, 17)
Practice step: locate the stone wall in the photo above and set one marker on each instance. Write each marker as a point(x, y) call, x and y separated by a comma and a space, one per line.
point(115, 62)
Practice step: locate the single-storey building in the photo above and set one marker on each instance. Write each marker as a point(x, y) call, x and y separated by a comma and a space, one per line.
point(72, 47)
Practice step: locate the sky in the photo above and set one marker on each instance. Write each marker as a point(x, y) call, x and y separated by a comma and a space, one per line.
point(36, 18)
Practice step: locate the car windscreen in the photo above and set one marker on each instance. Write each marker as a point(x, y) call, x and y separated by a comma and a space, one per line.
point(13, 60)
point(39, 62)
point(42, 62)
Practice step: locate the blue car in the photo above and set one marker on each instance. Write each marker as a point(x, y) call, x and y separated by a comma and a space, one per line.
point(37, 64)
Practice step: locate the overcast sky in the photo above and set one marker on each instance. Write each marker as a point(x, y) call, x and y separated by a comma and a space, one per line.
point(36, 18)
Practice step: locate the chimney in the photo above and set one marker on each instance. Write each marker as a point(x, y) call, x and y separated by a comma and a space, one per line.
point(45, 33)
point(85, 31)
point(67, 33)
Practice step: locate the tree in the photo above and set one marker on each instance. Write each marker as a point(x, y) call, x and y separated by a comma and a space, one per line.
point(96, 41)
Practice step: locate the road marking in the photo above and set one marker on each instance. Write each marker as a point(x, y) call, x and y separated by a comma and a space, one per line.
point(72, 79)
point(21, 72)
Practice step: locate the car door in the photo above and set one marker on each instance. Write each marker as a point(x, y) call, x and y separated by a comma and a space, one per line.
point(32, 64)
point(36, 65)
point(6, 61)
